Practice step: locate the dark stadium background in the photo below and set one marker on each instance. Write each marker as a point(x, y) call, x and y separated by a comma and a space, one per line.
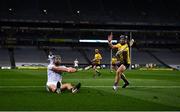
point(39, 26)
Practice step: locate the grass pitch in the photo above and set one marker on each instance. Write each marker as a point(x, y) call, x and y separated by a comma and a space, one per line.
point(148, 90)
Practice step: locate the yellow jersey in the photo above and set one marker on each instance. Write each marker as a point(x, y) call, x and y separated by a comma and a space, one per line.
point(98, 58)
point(121, 57)
point(113, 60)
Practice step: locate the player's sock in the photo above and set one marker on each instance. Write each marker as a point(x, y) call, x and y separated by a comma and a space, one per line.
point(98, 73)
point(97, 70)
point(88, 67)
point(125, 85)
point(76, 88)
point(58, 90)
point(125, 80)
point(115, 86)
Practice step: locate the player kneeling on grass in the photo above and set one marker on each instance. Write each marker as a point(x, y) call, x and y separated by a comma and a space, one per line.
point(54, 82)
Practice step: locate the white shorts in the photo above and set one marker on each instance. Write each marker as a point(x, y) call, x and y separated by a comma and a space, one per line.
point(51, 83)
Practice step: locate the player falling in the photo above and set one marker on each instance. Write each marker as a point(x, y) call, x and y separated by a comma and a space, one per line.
point(54, 79)
point(123, 59)
point(96, 62)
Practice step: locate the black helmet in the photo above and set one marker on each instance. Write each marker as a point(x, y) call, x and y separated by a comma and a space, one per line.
point(122, 36)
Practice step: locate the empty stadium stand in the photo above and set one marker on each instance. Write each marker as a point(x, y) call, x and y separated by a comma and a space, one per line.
point(142, 57)
point(29, 55)
point(37, 57)
point(4, 57)
point(29, 28)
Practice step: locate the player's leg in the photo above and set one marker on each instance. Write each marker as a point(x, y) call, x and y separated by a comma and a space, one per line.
point(97, 71)
point(119, 72)
point(53, 87)
point(66, 86)
point(88, 67)
point(94, 69)
point(126, 82)
point(70, 87)
point(123, 77)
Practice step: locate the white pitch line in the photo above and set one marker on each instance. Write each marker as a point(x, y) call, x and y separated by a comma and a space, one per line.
point(94, 86)
point(135, 86)
point(21, 86)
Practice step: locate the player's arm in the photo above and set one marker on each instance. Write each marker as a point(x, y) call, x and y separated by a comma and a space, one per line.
point(97, 59)
point(110, 37)
point(63, 69)
point(93, 60)
point(112, 46)
point(120, 51)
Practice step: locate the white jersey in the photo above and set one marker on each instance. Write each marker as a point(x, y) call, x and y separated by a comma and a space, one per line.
point(50, 58)
point(76, 63)
point(53, 76)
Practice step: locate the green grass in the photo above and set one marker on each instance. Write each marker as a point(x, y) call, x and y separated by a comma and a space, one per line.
point(24, 90)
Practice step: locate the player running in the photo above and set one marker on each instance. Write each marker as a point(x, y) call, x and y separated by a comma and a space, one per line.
point(123, 59)
point(96, 62)
point(76, 62)
point(54, 77)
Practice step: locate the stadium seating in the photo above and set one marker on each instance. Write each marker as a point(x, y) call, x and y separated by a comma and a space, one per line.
point(4, 57)
point(168, 56)
point(142, 57)
point(29, 55)
point(69, 54)
point(32, 55)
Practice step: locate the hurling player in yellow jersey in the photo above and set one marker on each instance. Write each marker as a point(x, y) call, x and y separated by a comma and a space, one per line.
point(113, 63)
point(123, 60)
point(96, 62)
